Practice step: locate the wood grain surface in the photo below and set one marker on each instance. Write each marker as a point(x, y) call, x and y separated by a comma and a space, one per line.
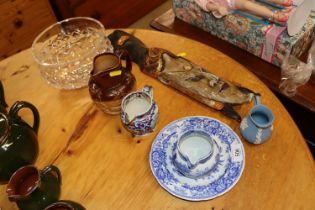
point(104, 167)
point(113, 14)
point(20, 22)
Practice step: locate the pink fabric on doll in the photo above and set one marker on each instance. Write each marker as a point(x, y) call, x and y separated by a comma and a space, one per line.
point(228, 4)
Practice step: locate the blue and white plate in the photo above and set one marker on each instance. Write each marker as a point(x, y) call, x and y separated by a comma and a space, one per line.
point(227, 165)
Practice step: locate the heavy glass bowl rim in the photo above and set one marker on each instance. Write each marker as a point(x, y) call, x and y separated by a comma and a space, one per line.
point(34, 55)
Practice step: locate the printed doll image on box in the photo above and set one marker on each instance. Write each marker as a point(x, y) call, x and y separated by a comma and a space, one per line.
point(220, 8)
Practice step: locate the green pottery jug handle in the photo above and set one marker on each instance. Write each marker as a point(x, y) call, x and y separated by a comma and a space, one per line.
point(5, 127)
point(124, 54)
point(54, 169)
point(2, 99)
point(13, 113)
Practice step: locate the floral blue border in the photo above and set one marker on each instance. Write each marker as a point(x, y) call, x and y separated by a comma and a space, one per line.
point(166, 178)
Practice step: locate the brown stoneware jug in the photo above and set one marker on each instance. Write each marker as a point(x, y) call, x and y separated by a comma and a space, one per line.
point(110, 81)
point(18, 140)
point(34, 189)
point(65, 205)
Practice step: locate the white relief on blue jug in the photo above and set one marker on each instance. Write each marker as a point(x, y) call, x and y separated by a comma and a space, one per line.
point(244, 124)
point(258, 136)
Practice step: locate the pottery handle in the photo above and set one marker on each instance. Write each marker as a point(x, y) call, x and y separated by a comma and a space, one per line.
point(51, 168)
point(148, 89)
point(6, 128)
point(2, 99)
point(257, 99)
point(13, 113)
point(124, 54)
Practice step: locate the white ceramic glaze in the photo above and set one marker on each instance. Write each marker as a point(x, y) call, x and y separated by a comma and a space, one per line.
point(226, 165)
point(137, 106)
point(195, 147)
point(193, 152)
point(139, 112)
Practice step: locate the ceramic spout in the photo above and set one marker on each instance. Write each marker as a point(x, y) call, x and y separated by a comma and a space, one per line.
point(103, 65)
point(110, 81)
point(22, 183)
point(33, 189)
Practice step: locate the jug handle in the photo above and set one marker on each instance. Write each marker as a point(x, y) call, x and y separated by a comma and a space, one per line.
point(6, 129)
point(124, 54)
point(13, 113)
point(2, 99)
point(51, 168)
point(148, 89)
point(257, 99)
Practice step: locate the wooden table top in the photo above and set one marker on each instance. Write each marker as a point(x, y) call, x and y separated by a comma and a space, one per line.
point(104, 167)
point(267, 72)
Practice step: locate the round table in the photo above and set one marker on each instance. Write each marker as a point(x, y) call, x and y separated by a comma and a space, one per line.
point(105, 167)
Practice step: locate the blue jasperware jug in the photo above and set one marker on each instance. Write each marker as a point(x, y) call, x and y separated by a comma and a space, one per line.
point(257, 126)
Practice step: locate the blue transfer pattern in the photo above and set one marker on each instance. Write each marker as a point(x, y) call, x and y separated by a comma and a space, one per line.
point(144, 123)
point(223, 175)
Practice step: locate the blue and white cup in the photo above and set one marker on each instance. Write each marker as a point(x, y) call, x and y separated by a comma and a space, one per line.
point(193, 152)
point(139, 112)
point(257, 126)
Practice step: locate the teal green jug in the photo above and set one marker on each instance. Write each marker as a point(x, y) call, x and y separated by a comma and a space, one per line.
point(34, 189)
point(18, 140)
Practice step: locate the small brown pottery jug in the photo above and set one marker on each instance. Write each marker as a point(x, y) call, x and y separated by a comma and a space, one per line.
point(34, 189)
point(18, 140)
point(110, 81)
point(65, 205)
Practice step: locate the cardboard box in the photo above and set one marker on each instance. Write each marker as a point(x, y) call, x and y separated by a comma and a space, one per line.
point(253, 34)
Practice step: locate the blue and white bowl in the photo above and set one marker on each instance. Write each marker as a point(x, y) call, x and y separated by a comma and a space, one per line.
point(193, 153)
point(226, 162)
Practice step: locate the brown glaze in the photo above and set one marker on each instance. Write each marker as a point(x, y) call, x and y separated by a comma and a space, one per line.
point(105, 87)
point(65, 205)
point(23, 182)
point(60, 207)
point(31, 188)
point(28, 184)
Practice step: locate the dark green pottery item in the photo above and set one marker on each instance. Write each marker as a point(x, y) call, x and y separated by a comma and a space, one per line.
point(65, 205)
point(3, 104)
point(34, 189)
point(18, 140)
